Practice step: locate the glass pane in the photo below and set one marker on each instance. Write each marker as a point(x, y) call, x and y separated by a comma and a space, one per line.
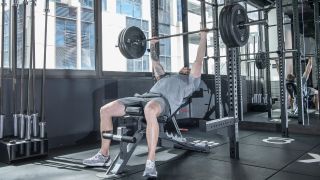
point(113, 22)
point(71, 34)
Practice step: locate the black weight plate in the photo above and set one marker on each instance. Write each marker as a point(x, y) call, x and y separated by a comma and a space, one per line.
point(134, 42)
point(239, 34)
point(257, 60)
point(261, 60)
point(244, 31)
point(124, 46)
point(222, 24)
point(228, 27)
point(120, 44)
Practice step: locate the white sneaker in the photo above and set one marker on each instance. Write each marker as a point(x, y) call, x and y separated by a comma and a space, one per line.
point(150, 171)
point(98, 160)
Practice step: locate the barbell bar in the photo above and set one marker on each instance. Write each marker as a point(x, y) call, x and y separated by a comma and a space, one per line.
point(233, 27)
point(206, 30)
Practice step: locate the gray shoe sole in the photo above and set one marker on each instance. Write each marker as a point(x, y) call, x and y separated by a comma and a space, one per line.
point(99, 164)
point(149, 175)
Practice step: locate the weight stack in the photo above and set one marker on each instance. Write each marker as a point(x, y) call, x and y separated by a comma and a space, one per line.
point(13, 150)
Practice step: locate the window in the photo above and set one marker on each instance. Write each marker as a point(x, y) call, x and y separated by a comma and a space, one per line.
point(87, 3)
point(165, 47)
point(87, 39)
point(71, 34)
point(104, 5)
point(66, 44)
point(125, 13)
point(130, 8)
point(179, 11)
point(75, 36)
point(253, 44)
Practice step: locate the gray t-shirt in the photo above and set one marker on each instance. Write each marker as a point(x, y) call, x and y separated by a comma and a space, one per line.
point(175, 88)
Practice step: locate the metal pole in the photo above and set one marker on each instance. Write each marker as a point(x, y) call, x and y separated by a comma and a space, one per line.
point(30, 94)
point(98, 38)
point(25, 2)
point(260, 71)
point(217, 73)
point(232, 54)
point(203, 26)
point(297, 59)
point(282, 69)
point(254, 68)
point(268, 74)
point(2, 116)
point(33, 58)
point(44, 61)
point(2, 55)
point(185, 29)
point(317, 38)
point(155, 22)
point(14, 53)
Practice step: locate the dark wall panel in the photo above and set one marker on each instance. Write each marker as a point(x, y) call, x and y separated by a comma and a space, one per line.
point(73, 104)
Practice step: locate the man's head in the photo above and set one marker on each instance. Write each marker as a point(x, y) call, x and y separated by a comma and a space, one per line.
point(185, 71)
point(290, 77)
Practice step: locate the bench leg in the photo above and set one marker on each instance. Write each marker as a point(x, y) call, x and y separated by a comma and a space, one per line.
point(121, 160)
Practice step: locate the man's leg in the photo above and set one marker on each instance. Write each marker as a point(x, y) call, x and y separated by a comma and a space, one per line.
point(102, 158)
point(151, 111)
point(113, 109)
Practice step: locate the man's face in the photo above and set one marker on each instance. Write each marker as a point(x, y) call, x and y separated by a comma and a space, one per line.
point(185, 71)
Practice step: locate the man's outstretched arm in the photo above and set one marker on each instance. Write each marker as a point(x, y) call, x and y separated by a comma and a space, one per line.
point(308, 69)
point(156, 66)
point(197, 66)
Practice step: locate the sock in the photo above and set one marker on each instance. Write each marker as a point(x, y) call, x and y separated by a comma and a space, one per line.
point(104, 155)
point(150, 164)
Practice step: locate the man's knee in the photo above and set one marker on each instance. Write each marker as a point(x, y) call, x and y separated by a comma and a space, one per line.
point(111, 109)
point(152, 109)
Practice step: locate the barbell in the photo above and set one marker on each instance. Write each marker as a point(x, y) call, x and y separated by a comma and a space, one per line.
point(233, 26)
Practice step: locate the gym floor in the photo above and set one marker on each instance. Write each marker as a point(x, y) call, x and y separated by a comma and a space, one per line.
point(258, 160)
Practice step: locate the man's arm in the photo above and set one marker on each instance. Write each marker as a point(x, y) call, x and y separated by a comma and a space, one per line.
point(308, 69)
point(197, 66)
point(156, 66)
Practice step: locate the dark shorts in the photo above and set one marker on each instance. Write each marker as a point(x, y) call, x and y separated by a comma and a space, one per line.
point(143, 100)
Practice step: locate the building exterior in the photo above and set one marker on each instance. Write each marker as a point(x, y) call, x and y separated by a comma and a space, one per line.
point(71, 34)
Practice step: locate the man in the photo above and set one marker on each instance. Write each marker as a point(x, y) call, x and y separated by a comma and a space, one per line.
point(307, 91)
point(172, 89)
